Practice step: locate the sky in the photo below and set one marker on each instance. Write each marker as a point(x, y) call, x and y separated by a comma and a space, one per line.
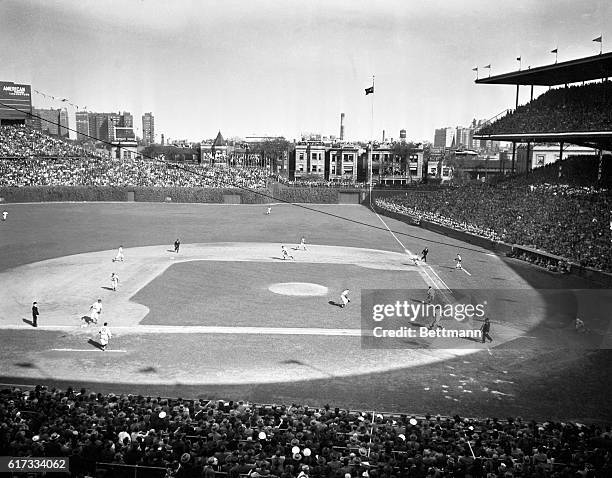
point(285, 67)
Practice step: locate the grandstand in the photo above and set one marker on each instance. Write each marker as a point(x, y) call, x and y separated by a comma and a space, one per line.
point(573, 114)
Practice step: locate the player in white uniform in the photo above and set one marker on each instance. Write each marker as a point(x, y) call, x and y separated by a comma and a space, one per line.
point(269, 210)
point(119, 257)
point(580, 327)
point(302, 244)
point(458, 262)
point(4, 214)
point(285, 253)
point(114, 281)
point(344, 298)
point(95, 310)
point(105, 335)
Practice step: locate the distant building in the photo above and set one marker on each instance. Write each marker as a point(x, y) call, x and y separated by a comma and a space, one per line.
point(51, 121)
point(341, 163)
point(214, 153)
point(444, 137)
point(148, 129)
point(82, 125)
point(402, 135)
point(464, 137)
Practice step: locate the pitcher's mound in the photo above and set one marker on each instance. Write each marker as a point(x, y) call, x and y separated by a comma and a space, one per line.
point(298, 288)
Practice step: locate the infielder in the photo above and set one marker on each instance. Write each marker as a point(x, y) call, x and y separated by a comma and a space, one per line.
point(286, 253)
point(269, 210)
point(458, 262)
point(105, 335)
point(4, 214)
point(302, 244)
point(114, 281)
point(344, 298)
point(95, 310)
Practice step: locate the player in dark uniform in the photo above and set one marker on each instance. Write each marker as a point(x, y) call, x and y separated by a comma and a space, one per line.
point(424, 254)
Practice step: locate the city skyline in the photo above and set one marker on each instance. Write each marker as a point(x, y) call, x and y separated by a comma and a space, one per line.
point(266, 68)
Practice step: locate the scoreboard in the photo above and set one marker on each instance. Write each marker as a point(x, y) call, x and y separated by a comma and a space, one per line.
point(15, 101)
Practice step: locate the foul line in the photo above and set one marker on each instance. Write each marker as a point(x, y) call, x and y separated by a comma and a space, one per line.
point(88, 350)
point(407, 251)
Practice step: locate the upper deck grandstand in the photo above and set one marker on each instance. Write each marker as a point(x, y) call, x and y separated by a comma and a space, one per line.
point(573, 114)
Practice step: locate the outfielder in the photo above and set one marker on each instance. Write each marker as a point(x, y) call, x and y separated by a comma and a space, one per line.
point(458, 262)
point(119, 257)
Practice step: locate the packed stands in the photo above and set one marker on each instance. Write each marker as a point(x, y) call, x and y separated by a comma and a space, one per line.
point(575, 108)
point(25, 142)
point(566, 220)
point(194, 438)
point(30, 158)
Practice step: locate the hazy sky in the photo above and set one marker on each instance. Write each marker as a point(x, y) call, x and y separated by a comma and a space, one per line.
point(284, 67)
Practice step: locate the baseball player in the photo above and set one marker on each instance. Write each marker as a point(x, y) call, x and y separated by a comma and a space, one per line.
point(344, 298)
point(424, 253)
point(431, 294)
point(580, 327)
point(105, 335)
point(4, 214)
point(286, 253)
point(95, 310)
point(302, 244)
point(436, 321)
point(114, 281)
point(458, 262)
point(119, 257)
point(269, 210)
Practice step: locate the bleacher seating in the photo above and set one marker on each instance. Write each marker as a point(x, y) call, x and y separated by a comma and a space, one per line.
point(193, 438)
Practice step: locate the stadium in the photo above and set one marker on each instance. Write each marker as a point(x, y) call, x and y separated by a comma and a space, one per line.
point(260, 326)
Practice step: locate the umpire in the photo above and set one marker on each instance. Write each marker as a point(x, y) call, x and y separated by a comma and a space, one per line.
point(485, 329)
point(35, 314)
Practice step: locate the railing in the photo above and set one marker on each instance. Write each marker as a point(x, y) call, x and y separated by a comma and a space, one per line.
point(491, 120)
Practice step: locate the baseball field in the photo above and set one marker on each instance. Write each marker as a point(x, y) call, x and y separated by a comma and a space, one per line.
point(228, 318)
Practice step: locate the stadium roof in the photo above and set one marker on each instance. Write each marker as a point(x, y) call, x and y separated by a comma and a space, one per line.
point(573, 71)
point(591, 139)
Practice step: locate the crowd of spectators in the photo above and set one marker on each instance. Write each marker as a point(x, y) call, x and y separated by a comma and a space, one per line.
point(319, 183)
point(575, 108)
point(25, 142)
point(572, 222)
point(197, 438)
point(31, 158)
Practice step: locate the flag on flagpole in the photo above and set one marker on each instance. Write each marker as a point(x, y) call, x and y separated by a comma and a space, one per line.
point(488, 66)
point(369, 90)
point(518, 58)
point(554, 51)
point(475, 69)
point(598, 39)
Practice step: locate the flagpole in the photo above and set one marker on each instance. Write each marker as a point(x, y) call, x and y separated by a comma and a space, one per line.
point(371, 142)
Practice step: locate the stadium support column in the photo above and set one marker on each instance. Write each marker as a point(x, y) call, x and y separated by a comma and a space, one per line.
point(528, 158)
point(513, 154)
point(600, 166)
point(517, 95)
point(560, 158)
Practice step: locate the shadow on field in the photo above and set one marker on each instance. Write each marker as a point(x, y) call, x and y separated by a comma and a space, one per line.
point(29, 322)
point(106, 287)
point(97, 345)
point(337, 304)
